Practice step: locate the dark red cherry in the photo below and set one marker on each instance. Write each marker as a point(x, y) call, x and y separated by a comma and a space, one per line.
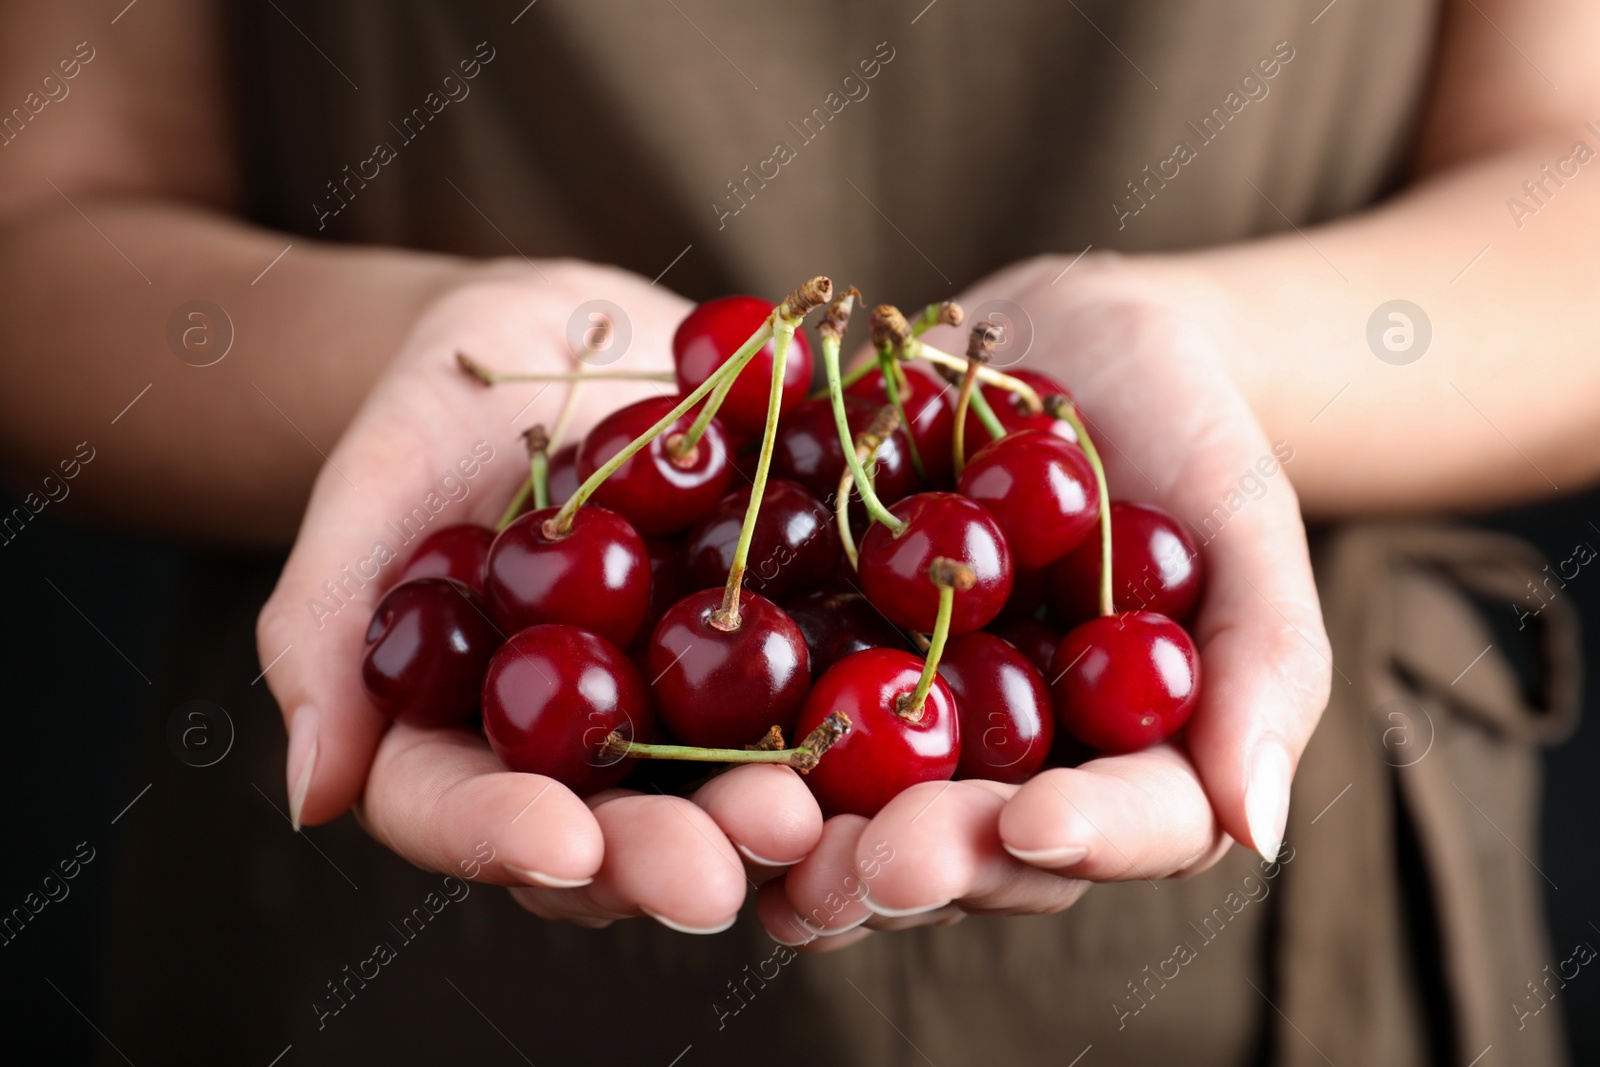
point(1040, 489)
point(1007, 722)
point(1124, 682)
point(1013, 414)
point(656, 490)
point(552, 696)
point(884, 752)
point(711, 333)
point(458, 552)
point(428, 644)
point(1027, 595)
point(725, 689)
point(1032, 638)
point(669, 583)
point(1155, 566)
point(894, 569)
point(597, 576)
point(835, 624)
point(807, 451)
point(795, 545)
point(562, 474)
point(931, 416)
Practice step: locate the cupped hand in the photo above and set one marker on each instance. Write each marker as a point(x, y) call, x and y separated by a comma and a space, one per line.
point(1145, 361)
point(429, 448)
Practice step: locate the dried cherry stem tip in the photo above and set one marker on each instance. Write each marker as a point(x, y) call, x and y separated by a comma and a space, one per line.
point(1062, 408)
point(947, 313)
point(803, 757)
point(980, 350)
point(950, 576)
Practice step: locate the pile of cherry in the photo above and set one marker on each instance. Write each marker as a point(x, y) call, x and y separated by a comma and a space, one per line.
point(686, 582)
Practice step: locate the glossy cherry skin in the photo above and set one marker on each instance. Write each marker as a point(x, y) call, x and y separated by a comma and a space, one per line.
point(931, 414)
point(669, 583)
point(837, 623)
point(458, 552)
point(552, 695)
point(808, 451)
point(655, 491)
point(726, 689)
point(883, 753)
point(794, 547)
point(428, 644)
point(1040, 489)
point(596, 577)
point(1007, 721)
point(1032, 638)
point(1009, 409)
point(711, 333)
point(894, 569)
point(1123, 682)
point(1155, 566)
point(562, 474)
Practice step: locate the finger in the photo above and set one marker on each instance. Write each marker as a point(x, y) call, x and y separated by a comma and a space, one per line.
point(1144, 815)
point(444, 801)
point(666, 858)
point(768, 814)
point(824, 890)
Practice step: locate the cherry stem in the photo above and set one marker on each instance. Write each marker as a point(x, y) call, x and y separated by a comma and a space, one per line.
point(893, 380)
point(949, 576)
point(986, 415)
point(537, 484)
point(868, 441)
point(1064, 409)
point(980, 350)
point(914, 348)
point(803, 757)
point(830, 362)
point(747, 351)
point(726, 618)
point(494, 377)
point(945, 313)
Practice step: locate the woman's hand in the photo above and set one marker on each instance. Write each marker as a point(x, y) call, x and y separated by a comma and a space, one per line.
point(427, 436)
point(1175, 432)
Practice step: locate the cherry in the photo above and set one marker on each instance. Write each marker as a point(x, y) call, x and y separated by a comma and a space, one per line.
point(669, 583)
point(884, 752)
point(836, 624)
point(724, 688)
point(1032, 638)
point(458, 552)
point(1007, 722)
point(656, 490)
point(552, 696)
point(1124, 682)
point(809, 452)
point(795, 545)
point(1013, 413)
point(1155, 566)
point(930, 417)
point(596, 575)
point(713, 332)
point(564, 480)
point(1040, 489)
point(428, 644)
point(894, 564)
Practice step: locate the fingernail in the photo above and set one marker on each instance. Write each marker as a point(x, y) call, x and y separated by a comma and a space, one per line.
point(1051, 857)
point(549, 881)
point(682, 929)
point(1266, 798)
point(302, 758)
point(835, 931)
point(901, 913)
point(803, 925)
point(762, 861)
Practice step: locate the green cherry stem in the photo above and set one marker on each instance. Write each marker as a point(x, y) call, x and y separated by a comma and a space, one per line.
point(949, 576)
point(832, 331)
point(803, 757)
point(741, 358)
point(868, 441)
point(980, 349)
point(945, 313)
point(537, 484)
point(894, 381)
point(986, 415)
point(477, 370)
point(1064, 409)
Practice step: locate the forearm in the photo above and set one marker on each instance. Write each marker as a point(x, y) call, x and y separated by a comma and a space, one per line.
point(221, 452)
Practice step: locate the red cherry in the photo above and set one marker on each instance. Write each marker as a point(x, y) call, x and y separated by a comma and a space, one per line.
point(428, 644)
point(1032, 638)
point(1008, 407)
point(458, 552)
point(656, 490)
point(836, 623)
point(551, 697)
point(1155, 566)
point(808, 451)
point(715, 330)
point(1040, 489)
point(1007, 722)
point(725, 688)
point(884, 752)
point(669, 583)
point(562, 476)
point(795, 545)
point(894, 568)
point(596, 576)
point(1124, 682)
point(930, 415)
